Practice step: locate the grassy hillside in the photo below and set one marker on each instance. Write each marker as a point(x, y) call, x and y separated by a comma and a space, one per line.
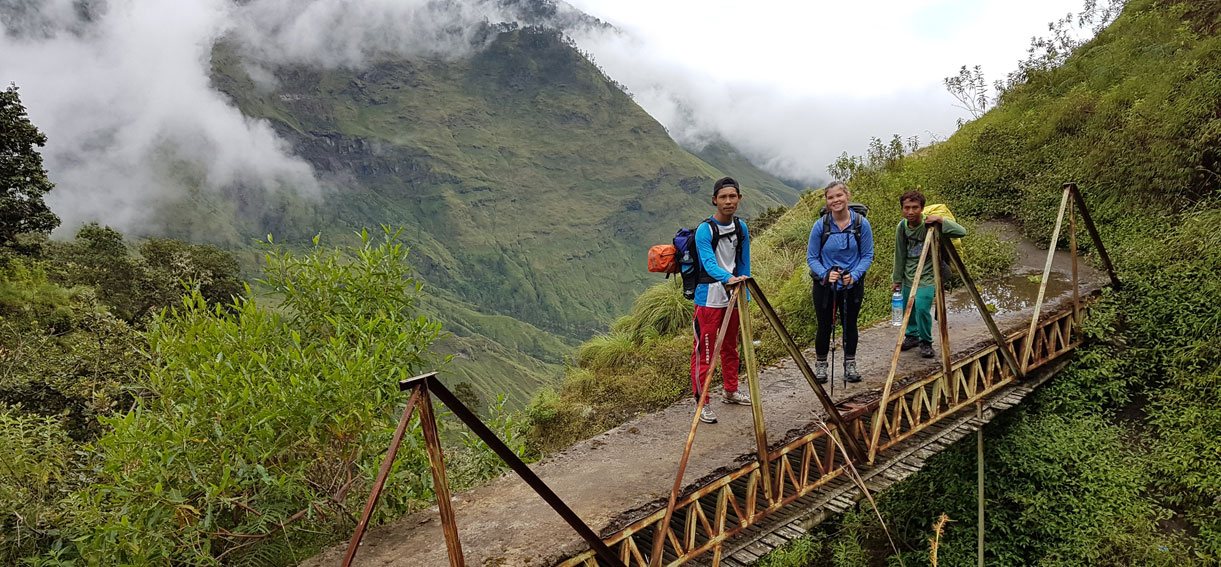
point(530, 185)
point(1115, 463)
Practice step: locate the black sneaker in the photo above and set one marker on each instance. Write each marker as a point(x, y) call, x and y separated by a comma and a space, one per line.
point(926, 349)
point(909, 342)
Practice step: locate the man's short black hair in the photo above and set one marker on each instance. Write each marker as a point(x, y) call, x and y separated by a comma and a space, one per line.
point(723, 183)
point(912, 195)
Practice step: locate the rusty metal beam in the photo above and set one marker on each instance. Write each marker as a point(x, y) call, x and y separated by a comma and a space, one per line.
point(518, 466)
point(1038, 303)
point(1072, 249)
point(850, 441)
point(1093, 230)
point(747, 334)
point(380, 483)
point(943, 325)
point(659, 539)
point(894, 359)
point(440, 485)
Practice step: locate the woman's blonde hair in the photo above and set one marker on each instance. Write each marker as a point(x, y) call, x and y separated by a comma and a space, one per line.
point(834, 184)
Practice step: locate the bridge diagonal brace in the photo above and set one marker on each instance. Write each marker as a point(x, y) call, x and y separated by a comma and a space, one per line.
point(659, 538)
point(879, 417)
point(440, 484)
point(850, 441)
point(943, 323)
point(1094, 235)
point(1028, 349)
point(510, 458)
point(746, 332)
point(380, 483)
point(969, 283)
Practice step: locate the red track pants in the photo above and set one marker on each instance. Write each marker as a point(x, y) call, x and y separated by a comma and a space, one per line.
point(707, 325)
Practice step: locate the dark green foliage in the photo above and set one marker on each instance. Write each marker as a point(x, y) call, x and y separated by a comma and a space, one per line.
point(135, 286)
point(23, 181)
point(61, 353)
point(1062, 490)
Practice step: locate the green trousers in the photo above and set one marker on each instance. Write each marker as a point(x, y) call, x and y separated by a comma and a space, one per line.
point(920, 325)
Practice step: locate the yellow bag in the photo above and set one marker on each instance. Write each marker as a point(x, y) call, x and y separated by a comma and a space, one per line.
point(944, 211)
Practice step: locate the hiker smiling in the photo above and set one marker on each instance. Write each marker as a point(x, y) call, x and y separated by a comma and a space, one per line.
point(909, 241)
point(839, 253)
point(725, 259)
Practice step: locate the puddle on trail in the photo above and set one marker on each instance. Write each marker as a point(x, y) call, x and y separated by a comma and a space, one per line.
point(1012, 293)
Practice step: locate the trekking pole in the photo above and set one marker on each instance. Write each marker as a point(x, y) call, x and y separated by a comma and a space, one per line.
point(834, 306)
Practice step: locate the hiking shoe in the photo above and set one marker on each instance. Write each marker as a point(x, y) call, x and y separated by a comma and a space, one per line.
point(707, 415)
point(850, 373)
point(926, 349)
point(909, 342)
point(820, 371)
point(740, 398)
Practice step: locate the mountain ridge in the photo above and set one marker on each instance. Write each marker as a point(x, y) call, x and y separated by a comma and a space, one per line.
point(528, 183)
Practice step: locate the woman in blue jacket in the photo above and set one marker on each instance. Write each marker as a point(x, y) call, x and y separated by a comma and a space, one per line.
point(839, 252)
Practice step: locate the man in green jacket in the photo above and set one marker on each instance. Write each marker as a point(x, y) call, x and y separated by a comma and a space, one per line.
point(909, 241)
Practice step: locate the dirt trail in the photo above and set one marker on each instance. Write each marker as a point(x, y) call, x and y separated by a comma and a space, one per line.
point(633, 465)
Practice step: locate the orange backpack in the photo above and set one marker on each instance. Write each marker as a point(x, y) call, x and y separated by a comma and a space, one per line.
point(663, 258)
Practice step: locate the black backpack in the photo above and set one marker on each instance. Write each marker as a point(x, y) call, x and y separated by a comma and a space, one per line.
point(854, 228)
point(690, 266)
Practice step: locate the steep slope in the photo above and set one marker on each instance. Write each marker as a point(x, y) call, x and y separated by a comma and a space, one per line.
point(723, 156)
point(528, 183)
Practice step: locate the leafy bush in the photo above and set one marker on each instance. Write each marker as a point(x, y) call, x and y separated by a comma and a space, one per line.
point(255, 426)
point(38, 469)
point(61, 353)
point(135, 286)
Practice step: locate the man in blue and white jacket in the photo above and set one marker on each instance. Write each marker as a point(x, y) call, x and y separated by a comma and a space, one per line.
point(725, 261)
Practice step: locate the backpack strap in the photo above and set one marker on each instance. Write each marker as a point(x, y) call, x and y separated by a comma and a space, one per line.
point(854, 227)
point(714, 229)
point(826, 230)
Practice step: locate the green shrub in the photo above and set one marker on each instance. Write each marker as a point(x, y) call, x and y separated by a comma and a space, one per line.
point(61, 353)
point(38, 470)
point(253, 427)
point(607, 351)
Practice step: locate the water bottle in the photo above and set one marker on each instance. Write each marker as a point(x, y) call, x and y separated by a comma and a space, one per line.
point(896, 309)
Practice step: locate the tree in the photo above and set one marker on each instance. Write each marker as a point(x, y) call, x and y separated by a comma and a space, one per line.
point(136, 286)
point(23, 181)
point(970, 89)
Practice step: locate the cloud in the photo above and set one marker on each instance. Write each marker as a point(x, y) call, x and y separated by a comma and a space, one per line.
point(122, 90)
point(342, 33)
point(124, 98)
point(791, 134)
point(795, 84)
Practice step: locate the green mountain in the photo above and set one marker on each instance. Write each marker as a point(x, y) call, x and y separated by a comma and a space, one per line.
point(529, 186)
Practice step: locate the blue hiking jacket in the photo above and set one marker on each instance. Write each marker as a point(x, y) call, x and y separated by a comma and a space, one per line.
point(840, 250)
point(703, 245)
